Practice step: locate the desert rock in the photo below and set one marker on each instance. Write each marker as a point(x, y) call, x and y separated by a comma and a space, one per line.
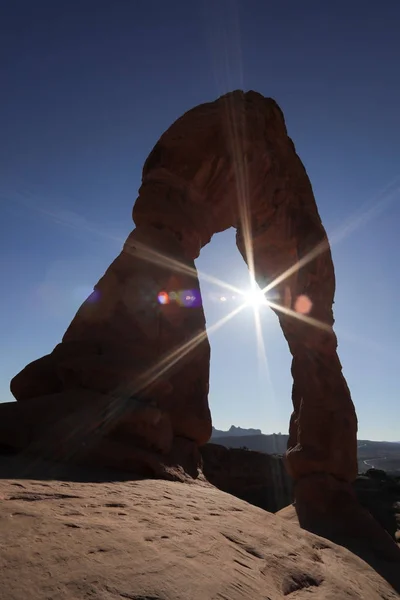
point(86, 534)
point(227, 163)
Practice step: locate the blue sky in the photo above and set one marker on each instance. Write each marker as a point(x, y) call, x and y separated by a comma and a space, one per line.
point(87, 89)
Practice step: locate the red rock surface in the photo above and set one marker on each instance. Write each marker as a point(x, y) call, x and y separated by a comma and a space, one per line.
point(222, 164)
point(86, 535)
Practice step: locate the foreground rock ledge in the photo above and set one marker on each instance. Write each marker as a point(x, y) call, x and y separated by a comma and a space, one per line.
point(162, 540)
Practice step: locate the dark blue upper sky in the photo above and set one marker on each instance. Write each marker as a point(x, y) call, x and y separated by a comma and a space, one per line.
point(88, 86)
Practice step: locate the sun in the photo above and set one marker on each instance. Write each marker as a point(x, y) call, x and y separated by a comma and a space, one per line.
point(255, 297)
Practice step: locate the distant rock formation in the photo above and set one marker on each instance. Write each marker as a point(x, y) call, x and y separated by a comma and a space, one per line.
point(370, 453)
point(234, 431)
point(269, 444)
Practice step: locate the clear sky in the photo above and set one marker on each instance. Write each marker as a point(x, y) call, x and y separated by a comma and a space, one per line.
point(88, 86)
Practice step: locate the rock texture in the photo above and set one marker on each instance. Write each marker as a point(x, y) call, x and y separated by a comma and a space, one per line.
point(76, 535)
point(228, 163)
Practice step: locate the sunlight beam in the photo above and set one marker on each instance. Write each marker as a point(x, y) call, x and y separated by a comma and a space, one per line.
point(261, 350)
point(121, 398)
point(301, 317)
point(161, 368)
point(240, 168)
point(144, 252)
point(352, 224)
point(166, 363)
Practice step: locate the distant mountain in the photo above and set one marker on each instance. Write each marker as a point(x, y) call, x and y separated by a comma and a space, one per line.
point(379, 455)
point(269, 444)
point(234, 431)
point(375, 455)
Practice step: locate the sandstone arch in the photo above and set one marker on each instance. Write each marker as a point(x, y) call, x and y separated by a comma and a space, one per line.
point(223, 164)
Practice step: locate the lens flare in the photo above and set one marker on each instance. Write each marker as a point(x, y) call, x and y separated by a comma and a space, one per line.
point(303, 305)
point(163, 298)
point(189, 298)
point(184, 298)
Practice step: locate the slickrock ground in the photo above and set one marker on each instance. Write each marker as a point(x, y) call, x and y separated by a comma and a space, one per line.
point(68, 533)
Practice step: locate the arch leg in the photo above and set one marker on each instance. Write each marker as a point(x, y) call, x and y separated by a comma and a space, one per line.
point(323, 425)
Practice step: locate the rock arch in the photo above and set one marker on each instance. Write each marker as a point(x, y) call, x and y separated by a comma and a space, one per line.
point(228, 163)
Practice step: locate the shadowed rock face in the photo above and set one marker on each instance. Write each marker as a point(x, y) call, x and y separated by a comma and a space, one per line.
point(229, 163)
point(259, 479)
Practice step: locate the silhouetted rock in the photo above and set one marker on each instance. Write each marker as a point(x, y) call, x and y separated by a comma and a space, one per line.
point(258, 478)
point(85, 427)
point(234, 432)
point(379, 493)
point(222, 164)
